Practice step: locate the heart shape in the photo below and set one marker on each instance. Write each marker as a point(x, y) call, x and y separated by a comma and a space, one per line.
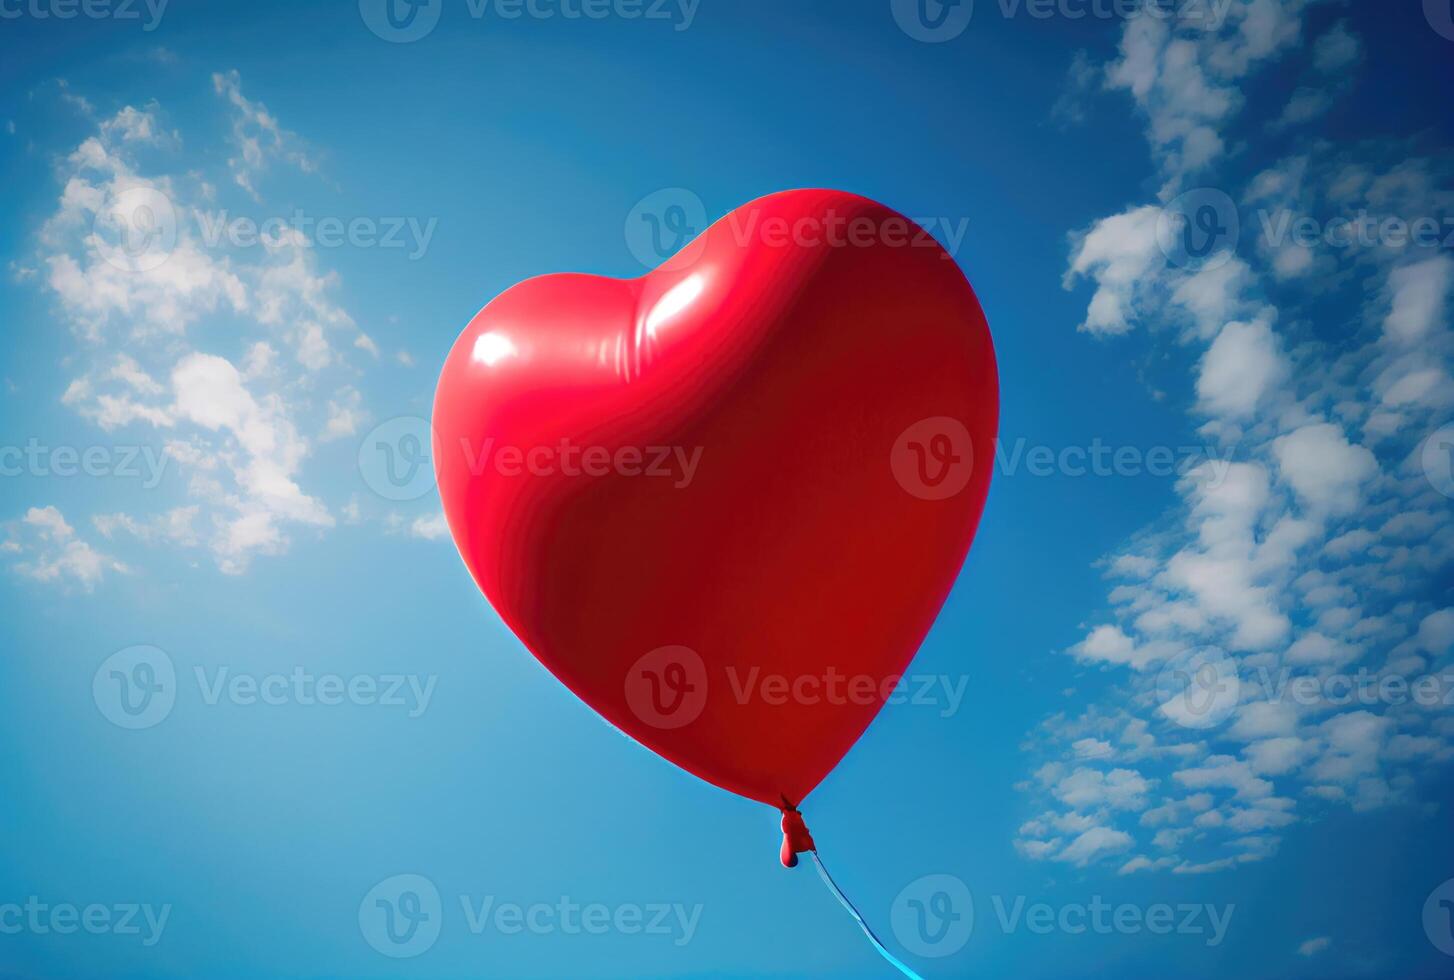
point(724, 502)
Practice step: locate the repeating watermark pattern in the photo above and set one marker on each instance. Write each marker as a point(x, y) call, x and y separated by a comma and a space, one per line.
point(137, 688)
point(663, 230)
point(1363, 688)
point(409, 233)
point(148, 13)
point(395, 460)
point(1283, 227)
point(138, 230)
point(143, 920)
point(933, 917)
point(1199, 688)
point(667, 688)
point(933, 459)
point(937, 21)
point(1437, 459)
point(402, 917)
point(145, 463)
point(661, 225)
point(135, 230)
point(404, 21)
point(1199, 229)
point(1440, 15)
point(1098, 458)
point(1439, 918)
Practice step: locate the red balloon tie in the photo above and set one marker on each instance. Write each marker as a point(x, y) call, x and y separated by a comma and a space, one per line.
point(796, 839)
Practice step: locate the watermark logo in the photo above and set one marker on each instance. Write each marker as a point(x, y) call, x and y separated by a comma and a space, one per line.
point(136, 687)
point(40, 918)
point(144, 463)
point(1440, 15)
point(400, 21)
point(933, 459)
point(149, 12)
point(395, 458)
point(1198, 688)
point(1199, 229)
point(933, 916)
point(932, 21)
point(401, 916)
point(1437, 458)
point(135, 230)
point(406, 233)
point(664, 229)
point(1439, 918)
point(667, 688)
point(1361, 230)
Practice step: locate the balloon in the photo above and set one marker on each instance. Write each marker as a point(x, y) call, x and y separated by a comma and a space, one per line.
point(724, 502)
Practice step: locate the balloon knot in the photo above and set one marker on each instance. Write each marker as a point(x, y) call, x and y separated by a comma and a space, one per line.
point(796, 838)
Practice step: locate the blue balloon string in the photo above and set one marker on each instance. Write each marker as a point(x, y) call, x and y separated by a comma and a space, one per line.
point(843, 900)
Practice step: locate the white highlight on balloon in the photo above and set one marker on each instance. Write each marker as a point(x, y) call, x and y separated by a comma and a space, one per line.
point(674, 301)
point(492, 348)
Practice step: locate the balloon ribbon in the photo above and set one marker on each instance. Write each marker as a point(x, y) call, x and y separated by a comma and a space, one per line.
point(796, 839)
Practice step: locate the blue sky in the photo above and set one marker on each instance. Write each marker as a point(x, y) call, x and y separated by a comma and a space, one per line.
point(1213, 256)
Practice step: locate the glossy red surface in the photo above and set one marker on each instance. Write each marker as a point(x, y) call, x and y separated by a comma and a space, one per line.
point(815, 537)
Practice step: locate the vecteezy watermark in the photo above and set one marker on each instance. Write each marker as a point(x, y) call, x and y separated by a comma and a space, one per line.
point(38, 918)
point(933, 459)
point(402, 21)
point(138, 230)
point(1439, 918)
point(221, 228)
point(1364, 688)
point(1199, 229)
point(1437, 459)
point(145, 463)
point(663, 230)
point(148, 12)
point(402, 917)
point(137, 688)
point(135, 230)
point(1440, 15)
point(395, 460)
point(1098, 458)
point(1198, 688)
point(667, 688)
point(1284, 227)
point(933, 917)
point(936, 21)
point(660, 226)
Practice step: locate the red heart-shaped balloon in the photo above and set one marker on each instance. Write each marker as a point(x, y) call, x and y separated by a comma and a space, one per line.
point(724, 502)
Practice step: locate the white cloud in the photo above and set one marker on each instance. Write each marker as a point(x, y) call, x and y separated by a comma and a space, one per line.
point(49, 550)
point(256, 135)
point(1239, 368)
point(1419, 295)
point(235, 433)
point(1314, 946)
point(1323, 467)
point(1095, 843)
